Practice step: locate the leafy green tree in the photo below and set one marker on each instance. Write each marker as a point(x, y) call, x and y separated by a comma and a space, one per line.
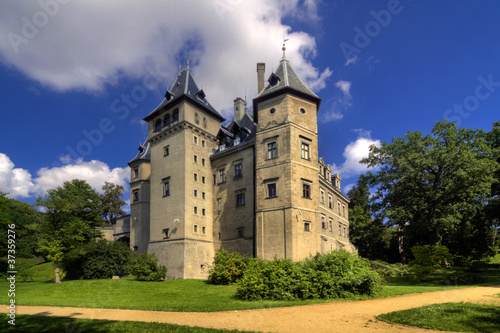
point(492, 210)
point(25, 218)
point(372, 238)
point(71, 215)
point(428, 259)
point(433, 187)
point(111, 202)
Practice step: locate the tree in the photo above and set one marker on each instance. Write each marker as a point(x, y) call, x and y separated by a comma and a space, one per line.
point(433, 187)
point(492, 210)
point(71, 215)
point(372, 238)
point(111, 202)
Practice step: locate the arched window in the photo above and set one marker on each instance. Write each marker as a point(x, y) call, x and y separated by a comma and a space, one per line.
point(175, 116)
point(158, 125)
point(167, 120)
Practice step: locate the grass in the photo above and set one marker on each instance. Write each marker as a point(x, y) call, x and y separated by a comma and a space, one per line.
point(41, 324)
point(456, 317)
point(173, 295)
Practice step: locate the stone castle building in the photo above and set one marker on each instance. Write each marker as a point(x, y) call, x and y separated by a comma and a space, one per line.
point(255, 185)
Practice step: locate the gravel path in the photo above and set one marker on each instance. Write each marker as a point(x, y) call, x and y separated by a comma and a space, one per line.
point(349, 316)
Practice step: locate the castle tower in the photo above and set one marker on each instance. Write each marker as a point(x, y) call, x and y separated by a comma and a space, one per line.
point(287, 186)
point(182, 134)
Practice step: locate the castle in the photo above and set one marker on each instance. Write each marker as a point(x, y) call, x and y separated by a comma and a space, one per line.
point(255, 186)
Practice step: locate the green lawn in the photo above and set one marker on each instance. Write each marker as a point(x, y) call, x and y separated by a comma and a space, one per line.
point(41, 324)
point(456, 317)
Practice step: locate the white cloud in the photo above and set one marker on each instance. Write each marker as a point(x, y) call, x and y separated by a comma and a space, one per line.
point(345, 86)
point(95, 173)
point(90, 44)
point(351, 60)
point(15, 181)
point(19, 183)
point(354, 152)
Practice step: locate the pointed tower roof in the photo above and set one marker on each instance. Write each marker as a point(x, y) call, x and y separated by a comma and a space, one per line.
point(285, 80)
point(184, 88)
point(144, 152)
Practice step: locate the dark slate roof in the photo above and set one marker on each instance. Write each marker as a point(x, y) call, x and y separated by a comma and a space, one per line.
point(245, 124)
point(184, 87)
point(144, 152)
point(285, 80)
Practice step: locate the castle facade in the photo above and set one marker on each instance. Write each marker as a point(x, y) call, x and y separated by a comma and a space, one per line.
point(255, 186)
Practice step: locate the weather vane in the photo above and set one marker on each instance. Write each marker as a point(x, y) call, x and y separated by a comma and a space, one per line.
point(284, 47)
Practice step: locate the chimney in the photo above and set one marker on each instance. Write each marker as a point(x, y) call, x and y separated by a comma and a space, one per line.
point(261, 68)
point(239, 108)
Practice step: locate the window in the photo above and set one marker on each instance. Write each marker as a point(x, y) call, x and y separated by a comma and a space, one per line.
point(345, 231)
point(272, 111)
point(338, 207)
point(302, 111)
point(241, 232)
point(196, 118)
point(240, 199)
point(195, 228)
point(306, 191)
point(219, 204)
point(305, 151)
point(237, 140)
point(203, 161)
point(330, 201)
point(166, 233)
point(222, 147)
point(237, 171)
point(343, 210)
point(166, 188)
point(203, 211)
point(322, 196)
point(195, 159)
point(203, 195)
point(323, 222)
point(271, 190)
point(271, 150)
point(166, 150)
point(167, 120)
point(158, 125)
point(222, 176)
point(195, 210)
point(136, 172)
point(330, 224)
point(195, 140)
point(195, 177)
point(175, 116)
point(195, 193)
point(307, 226)
point(203, 230)
point(340, 229)
point(135, 195)
point(203, 179)
point(205, 122)
point(203, 143)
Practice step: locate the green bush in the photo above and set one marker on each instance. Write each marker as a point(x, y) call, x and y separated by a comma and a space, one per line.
point(145, 267)
point(97, 260)
point(337, 274)
point(228, 267)
point(428, 259)
point(385, 269)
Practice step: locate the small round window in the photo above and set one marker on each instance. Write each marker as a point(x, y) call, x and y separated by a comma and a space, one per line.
point(272, 111)
point(302, 110)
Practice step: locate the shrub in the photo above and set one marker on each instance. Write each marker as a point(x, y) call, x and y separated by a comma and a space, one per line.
point(145, 267)
point(428, 259)
point(228, 267)
point(97, 260)
point(338, 274)
point(385, 269)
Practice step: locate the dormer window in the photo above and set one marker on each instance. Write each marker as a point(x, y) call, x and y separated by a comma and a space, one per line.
point(158, 125)
point(237, 140)
point(168, 95)
point(222, 147)
point(201, 94)
point(273, 79)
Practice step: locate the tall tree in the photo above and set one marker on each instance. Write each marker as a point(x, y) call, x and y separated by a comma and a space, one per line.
point(433, 187)
point(492, 210)
point(111, 202)
point(71, 215)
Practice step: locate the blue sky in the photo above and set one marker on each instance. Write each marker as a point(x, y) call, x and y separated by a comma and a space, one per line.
point(77, 77)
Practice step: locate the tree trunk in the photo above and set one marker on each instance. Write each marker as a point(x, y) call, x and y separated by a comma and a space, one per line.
point(56, 271)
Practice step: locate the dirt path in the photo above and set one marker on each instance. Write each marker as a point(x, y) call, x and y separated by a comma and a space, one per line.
point(350, 316)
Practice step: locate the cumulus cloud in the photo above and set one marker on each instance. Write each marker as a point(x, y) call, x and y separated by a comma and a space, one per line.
point(354, 152)
point(15, 181)
point(345, 86)
point(90, 44)
point(19, 183)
